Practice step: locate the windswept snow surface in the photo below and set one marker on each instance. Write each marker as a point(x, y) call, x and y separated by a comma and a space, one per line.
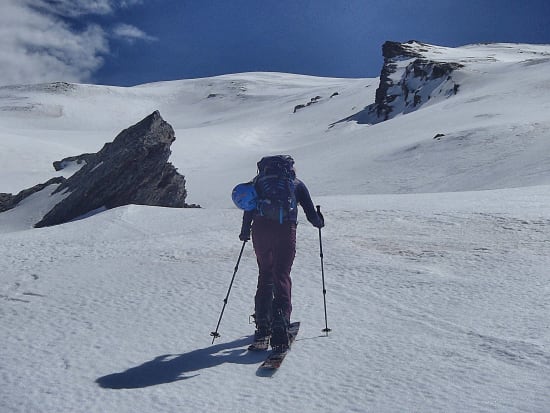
point(436, 251)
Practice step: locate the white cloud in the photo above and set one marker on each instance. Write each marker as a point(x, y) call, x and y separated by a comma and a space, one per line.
point(72, 8)
point(130, 3)
point(131, 33)
point(38, 45)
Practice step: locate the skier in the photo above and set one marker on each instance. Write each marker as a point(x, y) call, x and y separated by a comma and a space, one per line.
point(274, 240)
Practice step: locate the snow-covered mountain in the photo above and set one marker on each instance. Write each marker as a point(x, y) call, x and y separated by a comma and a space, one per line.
point(436, 244)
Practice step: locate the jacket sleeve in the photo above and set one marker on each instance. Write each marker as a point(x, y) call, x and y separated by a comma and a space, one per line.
point(304, 199)
point(246, 225)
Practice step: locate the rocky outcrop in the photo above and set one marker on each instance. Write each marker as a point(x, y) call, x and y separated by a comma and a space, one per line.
point(409, 79)
point(133, 169)
point(9, 201)
point(79, 160)
point(311, 102)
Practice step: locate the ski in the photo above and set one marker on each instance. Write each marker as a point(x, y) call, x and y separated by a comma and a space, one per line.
point(275, 359)
point(261, 344)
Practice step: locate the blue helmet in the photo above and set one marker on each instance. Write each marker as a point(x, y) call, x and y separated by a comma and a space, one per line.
point(244, 196)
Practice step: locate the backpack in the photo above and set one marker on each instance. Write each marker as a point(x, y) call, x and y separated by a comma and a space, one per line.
point(275, 186)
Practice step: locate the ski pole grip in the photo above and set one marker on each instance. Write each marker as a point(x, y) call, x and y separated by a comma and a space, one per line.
point(320, 215)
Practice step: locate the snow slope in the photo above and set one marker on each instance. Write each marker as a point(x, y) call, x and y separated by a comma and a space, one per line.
point(436, 250)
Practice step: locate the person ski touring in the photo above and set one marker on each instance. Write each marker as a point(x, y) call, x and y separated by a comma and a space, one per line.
point(271, 216)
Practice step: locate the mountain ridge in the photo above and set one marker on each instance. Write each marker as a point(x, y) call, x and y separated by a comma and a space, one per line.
point(499, 84)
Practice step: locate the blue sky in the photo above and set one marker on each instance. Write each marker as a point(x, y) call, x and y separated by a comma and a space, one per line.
point(128, 42)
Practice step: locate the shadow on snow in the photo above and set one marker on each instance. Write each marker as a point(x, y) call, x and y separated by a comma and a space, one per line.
point(170, 368)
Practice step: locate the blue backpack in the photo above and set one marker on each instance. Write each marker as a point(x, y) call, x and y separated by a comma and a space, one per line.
point(275, 187)
point(271, 192)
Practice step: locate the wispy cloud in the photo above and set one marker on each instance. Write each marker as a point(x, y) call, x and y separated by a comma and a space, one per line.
point(37, 43)
point(131, 33)
point(130, 3)
point(75, 8)
point(72, 8)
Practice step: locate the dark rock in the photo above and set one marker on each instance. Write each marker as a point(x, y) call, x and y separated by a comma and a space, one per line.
point(311, 102)
point(298, 107)
point(5, 200)
point(9, 201)
point(80, 159)
point(133, 169)
point(59, 87)
point(416, 75)
point(391, 50)
point(407, 81)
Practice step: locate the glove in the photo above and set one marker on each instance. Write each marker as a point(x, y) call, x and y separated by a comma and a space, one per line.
point(244, 236)
point(320, 223)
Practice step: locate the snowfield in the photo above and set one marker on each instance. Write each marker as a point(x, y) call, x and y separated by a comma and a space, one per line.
point(436, 251)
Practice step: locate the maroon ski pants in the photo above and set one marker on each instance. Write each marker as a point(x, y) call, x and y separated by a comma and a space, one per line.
point(275, 248)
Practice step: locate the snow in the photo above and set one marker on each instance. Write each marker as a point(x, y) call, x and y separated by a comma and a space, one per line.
point(436, 251)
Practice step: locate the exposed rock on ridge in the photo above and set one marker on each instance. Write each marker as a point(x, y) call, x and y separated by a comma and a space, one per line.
point(79, 160)
point(408, 80)
point(9, 201)
point(133, 169)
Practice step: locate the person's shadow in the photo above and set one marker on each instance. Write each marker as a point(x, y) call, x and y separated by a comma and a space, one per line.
point(174, 367)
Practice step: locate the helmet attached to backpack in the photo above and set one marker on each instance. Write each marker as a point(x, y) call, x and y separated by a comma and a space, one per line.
point(245, 197)
point(275, 187)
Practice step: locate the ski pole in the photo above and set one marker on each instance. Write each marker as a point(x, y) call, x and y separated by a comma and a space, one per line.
point(326, 330)
point(215, 334)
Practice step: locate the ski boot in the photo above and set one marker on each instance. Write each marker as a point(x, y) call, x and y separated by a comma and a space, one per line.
point(280, 339)
point(262, 336)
